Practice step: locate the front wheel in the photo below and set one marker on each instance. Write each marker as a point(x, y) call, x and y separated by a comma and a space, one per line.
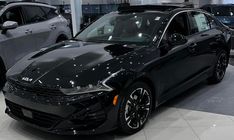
point(220, 68)
point(135, 108)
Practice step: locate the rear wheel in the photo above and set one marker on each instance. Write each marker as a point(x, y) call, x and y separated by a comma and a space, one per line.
point(220, 68)
point(2, 74)
point(135, 108)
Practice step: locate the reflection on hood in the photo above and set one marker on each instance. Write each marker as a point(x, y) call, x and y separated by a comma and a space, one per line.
point(70, 63)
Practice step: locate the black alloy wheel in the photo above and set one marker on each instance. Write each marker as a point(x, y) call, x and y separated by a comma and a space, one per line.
point(135, 108)
point(220, 68)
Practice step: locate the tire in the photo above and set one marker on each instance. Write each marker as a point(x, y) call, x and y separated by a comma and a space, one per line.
point(220, 68)
point(135, 108)
point(61, 38)
point(2, 75)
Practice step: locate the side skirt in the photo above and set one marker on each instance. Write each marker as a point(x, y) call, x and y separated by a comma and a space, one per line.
point(186, 85)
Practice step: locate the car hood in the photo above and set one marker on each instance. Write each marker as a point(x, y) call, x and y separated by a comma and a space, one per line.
point(71, 63)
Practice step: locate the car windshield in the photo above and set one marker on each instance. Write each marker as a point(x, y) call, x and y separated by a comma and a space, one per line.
point(131, 28)
point(223, 11)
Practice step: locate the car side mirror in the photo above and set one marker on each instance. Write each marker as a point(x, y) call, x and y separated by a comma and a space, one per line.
point(9, 25)
point(177, 39)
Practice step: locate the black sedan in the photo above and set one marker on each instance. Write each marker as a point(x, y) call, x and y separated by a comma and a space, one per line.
point(119, 69)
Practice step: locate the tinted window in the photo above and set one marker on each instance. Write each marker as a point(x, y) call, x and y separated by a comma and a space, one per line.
point(178, 25)
point(198, 22)
point(125, 28)
point(13, 14)
point(50, 12)
point(34, 14)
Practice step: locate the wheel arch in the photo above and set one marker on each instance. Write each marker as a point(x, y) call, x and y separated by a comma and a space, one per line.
point(150, 83)
point(128, 77)
point(61, 37)
point(226, 48)
point(147, 80)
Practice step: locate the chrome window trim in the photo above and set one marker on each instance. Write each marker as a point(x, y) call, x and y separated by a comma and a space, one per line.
point(172, 19)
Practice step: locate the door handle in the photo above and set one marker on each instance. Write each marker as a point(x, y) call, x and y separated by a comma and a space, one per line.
point(218, 37)
point(28, 31)
point(192, 47)
point(203, 35)
point(53, 27)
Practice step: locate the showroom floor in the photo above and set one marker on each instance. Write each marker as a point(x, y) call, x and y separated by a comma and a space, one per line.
point(202, 113)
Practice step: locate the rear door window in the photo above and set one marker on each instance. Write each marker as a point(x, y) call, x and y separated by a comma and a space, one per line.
point(34, 14)
point(50, 12)
point(198, 22)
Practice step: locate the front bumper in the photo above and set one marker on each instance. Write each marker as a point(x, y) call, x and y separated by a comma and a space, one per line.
point(93, 115)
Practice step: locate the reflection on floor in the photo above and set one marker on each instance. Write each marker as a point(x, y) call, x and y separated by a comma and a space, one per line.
point(202, 113)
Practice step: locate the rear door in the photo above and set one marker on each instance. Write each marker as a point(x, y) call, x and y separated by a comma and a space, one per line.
point(36, 20)
point(206, 39)
point(218, 32)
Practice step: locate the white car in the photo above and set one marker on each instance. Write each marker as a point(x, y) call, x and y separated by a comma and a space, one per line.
point(28, 27)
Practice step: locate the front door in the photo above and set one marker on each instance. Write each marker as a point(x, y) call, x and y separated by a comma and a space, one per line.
point(37, 18)
point(177, 64)
point(15, 43)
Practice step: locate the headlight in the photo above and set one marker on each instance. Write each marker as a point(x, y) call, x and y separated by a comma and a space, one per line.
point(100, 87)
point(87, 89)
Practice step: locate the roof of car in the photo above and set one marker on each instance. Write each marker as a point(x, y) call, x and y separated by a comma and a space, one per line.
point(29, 3)
point(154, 7)
point(173, 9)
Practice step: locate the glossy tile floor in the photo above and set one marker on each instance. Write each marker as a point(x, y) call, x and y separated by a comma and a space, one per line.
point(203, 113)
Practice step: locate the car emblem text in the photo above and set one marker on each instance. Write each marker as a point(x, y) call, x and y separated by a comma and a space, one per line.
point(27, 79)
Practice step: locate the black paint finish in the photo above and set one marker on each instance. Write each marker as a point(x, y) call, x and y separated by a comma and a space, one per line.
point(38, 82)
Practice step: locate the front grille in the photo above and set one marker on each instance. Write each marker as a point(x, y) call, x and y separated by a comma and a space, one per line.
point(41, 91)
point(39, 118)
point(42, 95)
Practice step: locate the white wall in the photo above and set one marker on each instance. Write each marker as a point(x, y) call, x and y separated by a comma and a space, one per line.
point(102, 1)
point(196, 2)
